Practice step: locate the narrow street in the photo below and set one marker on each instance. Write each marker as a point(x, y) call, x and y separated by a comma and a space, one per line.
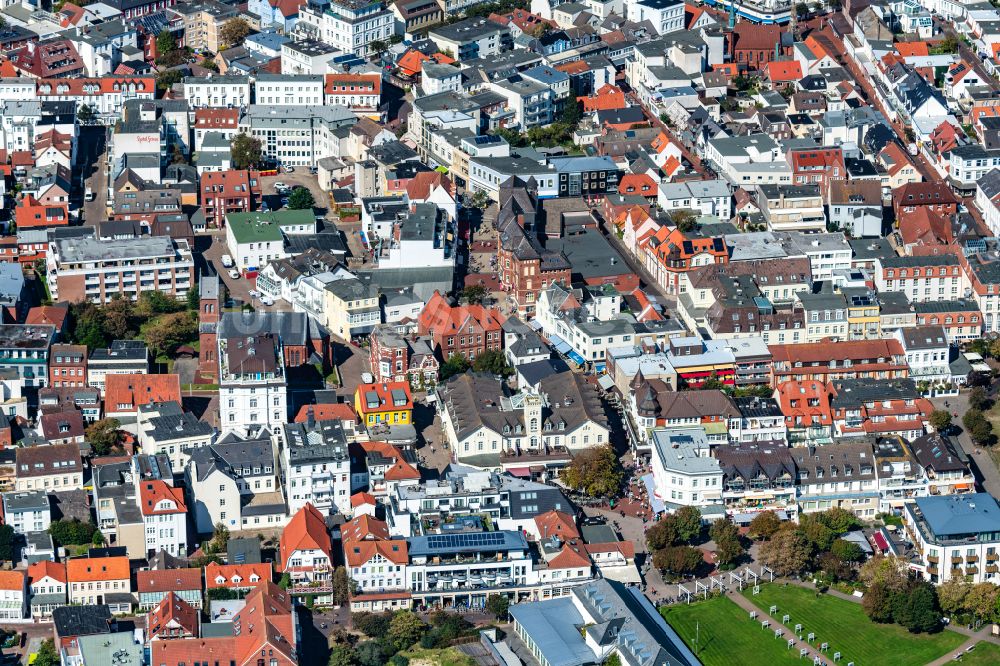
point(967, 54)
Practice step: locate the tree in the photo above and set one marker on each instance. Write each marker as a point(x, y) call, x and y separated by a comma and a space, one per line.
point(685, 220)
point(245, 151)
point(764, 525)
point(474, 294)
point(372, 653)
point(98, 538)
point(952, 594)
point(341, 586)
point(210, 64)
point(165, 42)
point(233, 32)
point(848, 551)
point(85, 114)
point(833, 566)
point(103, 435)
point(455, 365)
point(71, 532)
point(342, 654)
point(7, 536)
point(949, 44)
point(801, 9)
point(940, 420)
point(377, 47)
point(596, 472)
point(193, 299)
point(171, 331)
point(787, 552)
point(889, 572)
point(120, 321)
point(728, 546)
point(877, 603)
point(663, 533)
point(405, 629)
point(678, 560)
point(688, 521)
point(156, 302)
point(981, 432)
point(220, 538)
point(167, 78)
point(88, 328)
point(498, 605)
point(571, 112)
point(839, 520)
point(301, 199)
point(921, 613)
point(971, 418)
point(816, 533)
point(47, 655)
point(978, 399)
point(371, 624)
point(492, 361)
point(982, 600)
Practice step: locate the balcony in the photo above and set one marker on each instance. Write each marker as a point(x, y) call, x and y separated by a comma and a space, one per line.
point(991, 568)
point(932, 569)
point(933, 559)
point(971, 558)
point(992, 557)
point(971, 571)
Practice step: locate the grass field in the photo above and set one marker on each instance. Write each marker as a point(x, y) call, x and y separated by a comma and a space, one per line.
point(984, 654)
point(419, 656)
point(844, 625)
point(727, 635)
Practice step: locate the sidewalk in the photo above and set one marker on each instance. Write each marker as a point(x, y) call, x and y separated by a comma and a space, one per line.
point(762, 615)
point(982, 635)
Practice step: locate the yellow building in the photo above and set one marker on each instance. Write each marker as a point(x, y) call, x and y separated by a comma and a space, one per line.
point(863, 320)
point(384, 402)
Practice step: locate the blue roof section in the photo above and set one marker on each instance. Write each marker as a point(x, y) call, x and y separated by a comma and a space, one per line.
point(554, 628)
point(466, 542)
point(956, 515)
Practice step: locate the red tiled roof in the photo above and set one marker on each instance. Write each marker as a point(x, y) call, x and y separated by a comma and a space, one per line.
point(782, 71)
point(384, 392)
point(92, 569)
point(154, 491)
point(556, 523)
point(305, 531)
point(907, 49)
point(166, 580)
point(340, 411)
point(400, 470)
point(216, 118)
point(94, 87)
point(421, 185)
point(443, 318)
point(172, 609)
point(261, 570)
point(124, 393)
point(362, 498)
point(46, 569)
point(334, 83)
point(48, 314)
point(12, 580)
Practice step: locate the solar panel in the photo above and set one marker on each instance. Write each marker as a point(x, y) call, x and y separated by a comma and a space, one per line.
point(467, 540)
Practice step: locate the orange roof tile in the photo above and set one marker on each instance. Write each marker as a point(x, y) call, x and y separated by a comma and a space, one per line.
point(638, 183)
point(237, 575)
point(340, 411)
point(569, 558)
point(908, 49)
point(46, 569)
point(556, 523)
point(400, 470)
point(12, 580)
point(362, 498)
point(154, 491)
point(782, 71)
point(172, 609)
point(384, 392)
point(357, 553)
point(305, 531)
point(91, 569)
point(164, 580)
point(364, 527)
point(421, 185)
point(334, 83)
point(124, 393)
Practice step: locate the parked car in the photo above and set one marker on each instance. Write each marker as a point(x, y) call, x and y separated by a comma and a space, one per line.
point(284, 201)
point(234, 274)
point(227, 261)
point(279, 186)
point(266, 300)
point(288, 169)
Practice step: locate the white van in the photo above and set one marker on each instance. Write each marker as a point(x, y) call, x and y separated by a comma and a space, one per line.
point(88, 195)
point(227, 261)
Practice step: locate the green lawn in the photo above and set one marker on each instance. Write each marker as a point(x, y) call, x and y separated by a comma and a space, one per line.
point(984, 654)
point(438, 657)
point(844, 625)
point(727, 635)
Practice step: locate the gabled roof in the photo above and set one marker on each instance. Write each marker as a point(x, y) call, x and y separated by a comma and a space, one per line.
point(305, 531)
point(127, 392)
point(172, 609)
point(154, 491)
point(12, 580)
point(92, 569)
point(165, 580)
point(237, 575)
point(46, 569)
point(783, 71)
point(556, 523)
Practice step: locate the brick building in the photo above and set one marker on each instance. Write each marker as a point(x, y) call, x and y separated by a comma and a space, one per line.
point(466, 330)
point(224, 192)
point(68, 365)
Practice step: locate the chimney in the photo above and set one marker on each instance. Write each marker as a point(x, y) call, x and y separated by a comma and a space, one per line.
point(310, 417)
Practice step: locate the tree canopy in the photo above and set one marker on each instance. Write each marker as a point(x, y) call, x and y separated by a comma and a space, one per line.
point(233, 32)
point(301, 199)
point(596, 472)
point(245, 151)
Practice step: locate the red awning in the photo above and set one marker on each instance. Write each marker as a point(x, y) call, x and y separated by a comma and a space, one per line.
point(520, 471)
point(881, 542)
